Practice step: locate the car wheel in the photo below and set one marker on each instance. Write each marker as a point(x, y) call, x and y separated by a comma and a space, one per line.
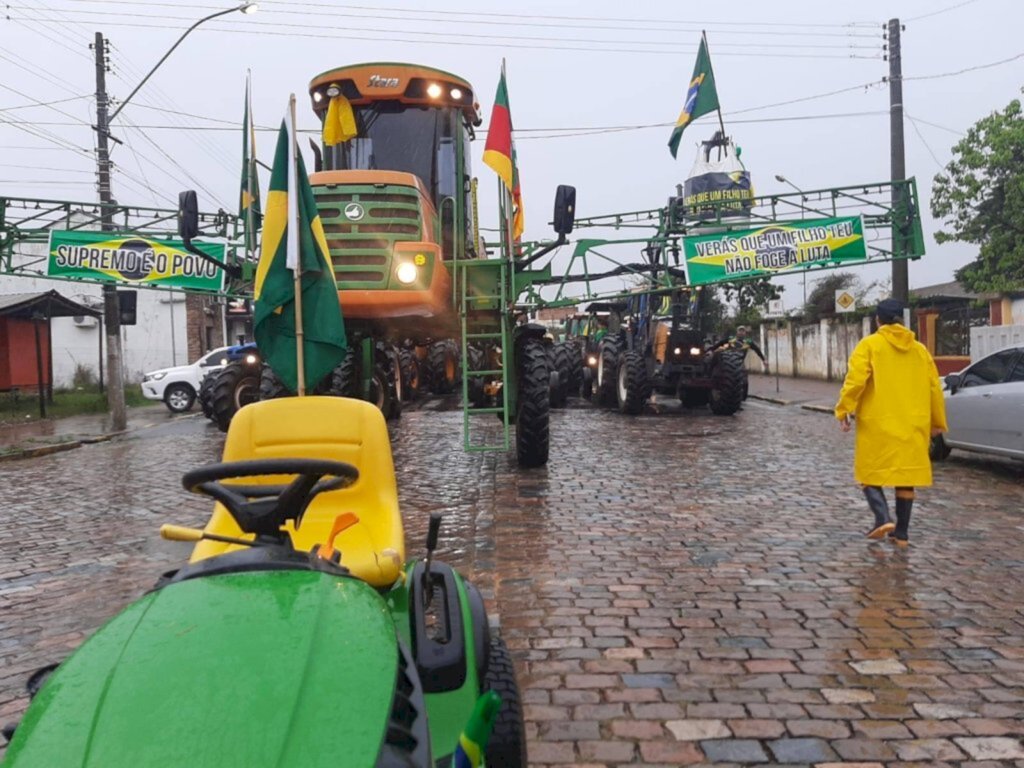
point(179, 398)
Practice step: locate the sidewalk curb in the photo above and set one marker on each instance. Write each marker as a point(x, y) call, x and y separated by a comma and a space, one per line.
point(775, 400)
point(43, 450)
point(818, 408)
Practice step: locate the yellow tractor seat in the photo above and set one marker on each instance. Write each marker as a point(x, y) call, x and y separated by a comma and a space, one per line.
point(335, 429)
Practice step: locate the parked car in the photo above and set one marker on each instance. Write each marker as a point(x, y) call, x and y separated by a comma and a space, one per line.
point(985, 407)
point(178, 386)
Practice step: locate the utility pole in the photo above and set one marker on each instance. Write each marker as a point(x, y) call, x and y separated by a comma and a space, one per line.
point(111, 307)
point(897, 159)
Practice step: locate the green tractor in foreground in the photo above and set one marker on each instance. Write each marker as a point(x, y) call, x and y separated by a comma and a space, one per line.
point(297, 635)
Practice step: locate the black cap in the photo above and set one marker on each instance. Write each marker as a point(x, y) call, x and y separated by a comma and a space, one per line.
point(889, 309)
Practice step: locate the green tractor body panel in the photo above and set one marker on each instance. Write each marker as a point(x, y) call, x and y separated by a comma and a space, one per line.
point(284, 668)
point(362, 248)
point(446, 711)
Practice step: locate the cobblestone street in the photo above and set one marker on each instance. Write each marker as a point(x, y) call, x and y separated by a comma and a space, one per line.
point(676, 588)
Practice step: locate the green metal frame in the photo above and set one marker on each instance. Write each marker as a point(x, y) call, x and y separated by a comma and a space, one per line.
point(30, 220)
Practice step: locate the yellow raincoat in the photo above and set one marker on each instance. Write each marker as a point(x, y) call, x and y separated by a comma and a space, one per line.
point(892, 386)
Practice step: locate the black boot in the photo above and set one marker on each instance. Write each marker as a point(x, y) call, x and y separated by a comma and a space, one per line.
point(902, 534)
point(878, 505)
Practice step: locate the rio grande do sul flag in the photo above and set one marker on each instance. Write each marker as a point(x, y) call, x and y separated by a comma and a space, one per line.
point(302, 233)
point(500, 154)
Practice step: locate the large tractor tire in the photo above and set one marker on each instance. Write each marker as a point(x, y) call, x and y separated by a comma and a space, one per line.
point(205, 395)
point(533, 404)
point(477, 361)
point(607, 364)
point(507, 745)
point(587, 385)
point(271, 386)
point(410, 367)
point(727, 376)
point(442, 367)
point(238, 384)
point(575, 366)
point(347, 382)
point(632, 387)
point(560, 361)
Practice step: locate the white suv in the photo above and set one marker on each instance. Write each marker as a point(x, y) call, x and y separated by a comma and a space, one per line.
point(178, 386)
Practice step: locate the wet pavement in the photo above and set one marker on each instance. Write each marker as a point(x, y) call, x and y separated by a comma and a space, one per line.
point(676, 588)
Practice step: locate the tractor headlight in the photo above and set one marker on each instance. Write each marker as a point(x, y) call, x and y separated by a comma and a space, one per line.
point(456, 93)
point(695, 351)
point(250, 359)
point(433, 90)
point(592, 360)
point(406, 272)
point(223, 361)
point(678, 350)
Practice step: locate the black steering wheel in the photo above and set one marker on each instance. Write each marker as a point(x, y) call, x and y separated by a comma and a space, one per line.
point(263, 509)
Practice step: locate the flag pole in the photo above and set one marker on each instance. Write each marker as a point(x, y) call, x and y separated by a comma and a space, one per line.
point(293, 241)
point(250, 162)
point(507, 193)
point(721, 122)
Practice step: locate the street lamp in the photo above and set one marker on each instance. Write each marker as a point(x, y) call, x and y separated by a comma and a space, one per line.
point(246, 8)
point(111, 310)
point(803, 198)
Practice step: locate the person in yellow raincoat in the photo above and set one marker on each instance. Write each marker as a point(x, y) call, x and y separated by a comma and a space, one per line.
point(892, 387)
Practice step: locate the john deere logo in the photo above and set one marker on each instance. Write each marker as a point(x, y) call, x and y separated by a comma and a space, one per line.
point(354, 212)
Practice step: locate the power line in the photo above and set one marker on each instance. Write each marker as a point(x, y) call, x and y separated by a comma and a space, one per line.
point(503, 20)
point(968, 69)
point(45, 104)
point(913, 124)
point(940, 127)
point(941, 10)
point(461, 40)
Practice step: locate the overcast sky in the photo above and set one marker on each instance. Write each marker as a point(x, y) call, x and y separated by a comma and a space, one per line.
point(571, 65)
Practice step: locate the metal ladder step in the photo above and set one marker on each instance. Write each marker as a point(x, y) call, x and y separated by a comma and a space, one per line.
point(492, 335)
point(472, 411)
point(491, 372)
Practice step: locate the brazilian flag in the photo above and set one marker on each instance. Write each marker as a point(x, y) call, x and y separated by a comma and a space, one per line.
point(290, 207)
point(249, 197)
point(701, 97)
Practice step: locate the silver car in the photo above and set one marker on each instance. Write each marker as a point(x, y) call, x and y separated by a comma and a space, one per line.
point(985, 407)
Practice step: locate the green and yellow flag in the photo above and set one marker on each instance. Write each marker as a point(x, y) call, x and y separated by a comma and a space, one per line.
point(250, 192)
point(701, 97)
point(283, 251)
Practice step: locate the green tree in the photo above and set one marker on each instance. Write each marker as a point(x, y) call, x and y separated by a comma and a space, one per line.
point(822, 300)
point(980, 198)
point(750, 297)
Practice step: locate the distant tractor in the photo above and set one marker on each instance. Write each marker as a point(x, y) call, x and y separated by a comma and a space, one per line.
point(600, 337)
point(667, 350)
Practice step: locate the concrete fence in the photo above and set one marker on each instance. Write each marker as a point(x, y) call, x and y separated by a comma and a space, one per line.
point(990, 338)
point(817, 350)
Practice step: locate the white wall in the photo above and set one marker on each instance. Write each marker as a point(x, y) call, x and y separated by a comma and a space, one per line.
point(147, 345)
point(816, 350)
point(991, 338)
point(1017, 310)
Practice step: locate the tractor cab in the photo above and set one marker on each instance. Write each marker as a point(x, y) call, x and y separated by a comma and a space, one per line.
point(394, 189)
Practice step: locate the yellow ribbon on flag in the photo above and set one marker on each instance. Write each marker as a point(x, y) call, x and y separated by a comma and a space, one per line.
point(340, 123)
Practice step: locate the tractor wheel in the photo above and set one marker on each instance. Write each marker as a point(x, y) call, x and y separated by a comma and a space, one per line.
point(632, 388)
point(442, 367)
point(587, 387)
point(346, 382)
point(607, 361)
point(271, 386)
point(238, 384)
point(727, 376)
point(206, 394)
point(389, 369)
point(575, 366)
point(560, 361)
point(693, 397)
point(938, 450)
point(507, 745)
point(477, 362)
point(410, 374)
point(533, 400)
